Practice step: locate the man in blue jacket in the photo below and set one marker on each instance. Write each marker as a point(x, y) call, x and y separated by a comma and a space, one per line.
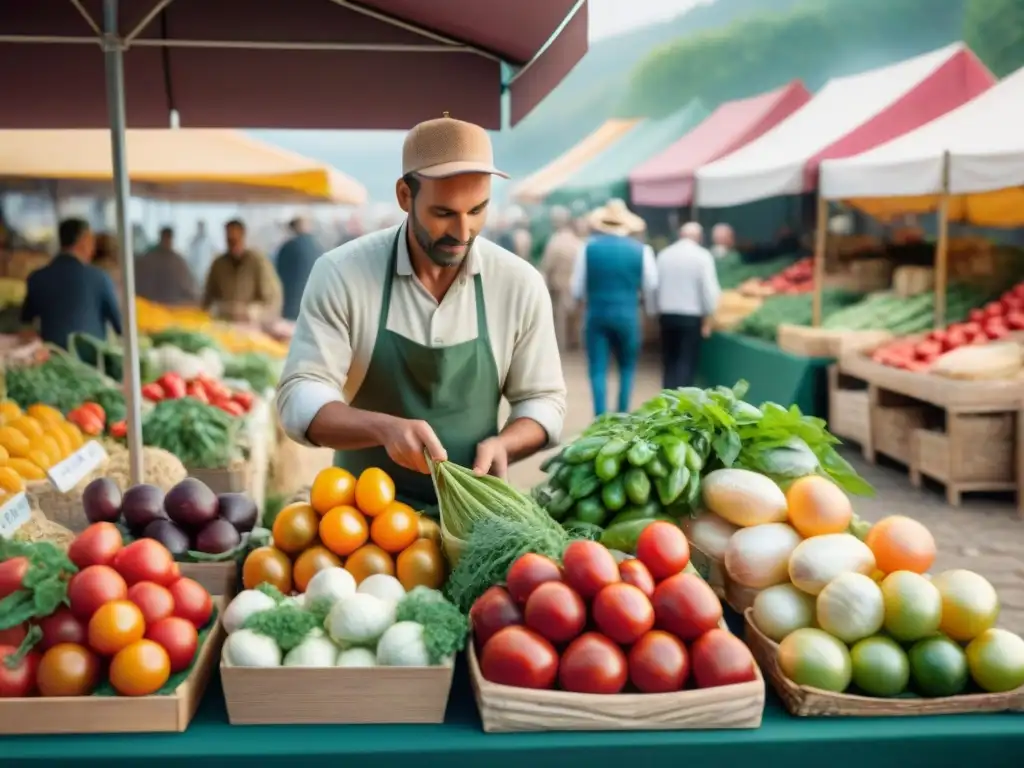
point(295, 261)
point(613, 270)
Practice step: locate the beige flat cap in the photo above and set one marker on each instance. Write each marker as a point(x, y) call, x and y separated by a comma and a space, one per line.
point(447, 147)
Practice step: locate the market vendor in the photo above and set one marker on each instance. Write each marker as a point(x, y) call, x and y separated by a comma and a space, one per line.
point(408, 338)
point(242, 285)
point(70, 295)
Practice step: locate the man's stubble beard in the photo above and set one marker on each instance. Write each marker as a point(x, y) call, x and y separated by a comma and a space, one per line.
point(432, 247)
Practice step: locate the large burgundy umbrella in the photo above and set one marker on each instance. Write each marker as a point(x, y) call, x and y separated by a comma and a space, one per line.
point(322, 64)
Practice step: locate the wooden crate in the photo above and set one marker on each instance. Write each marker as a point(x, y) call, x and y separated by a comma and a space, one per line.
point(117, 714)
point(804, 701)
point(825, 342)
point(216, 578)
point(849, 410)
point(506, 709)
point(894, 418)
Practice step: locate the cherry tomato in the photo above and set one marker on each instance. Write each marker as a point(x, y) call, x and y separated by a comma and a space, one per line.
point(658, 663)
point(178, 637)
point(589, 567)
point(13, 636)
point(145, 560)
point(19, 680)
point(623, 613)
point(154, 601)
point(68, 669)
point(96, 545)
point(593, 664)
point(555, 612)
point(12, 573)
point(115, 625)
point(192, 601)
point(529, 572)
point(92, 587)
point(140, 669)
point(686, 606)
point(61, 626)
point(421, 564)
point(663, 548)
point(721, 658)
point(493, 611)
point(634, 572)
point(519, 656)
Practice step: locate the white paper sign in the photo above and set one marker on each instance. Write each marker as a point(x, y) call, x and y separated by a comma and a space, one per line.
point(67, 473)
point(14, 513)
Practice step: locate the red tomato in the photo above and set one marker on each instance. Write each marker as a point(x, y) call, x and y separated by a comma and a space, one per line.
point(721, 658)
point(593, 664)
point(493, 610)
point(19, 680)
point(589, 567)
point(154, 601)
point(634, 572)
point(145, 560)
point(12, 573)
point(178, 637)
point(520, 657)
point(96, 545)
point(623, 613)
point(529, 572)
point(658, 663)
point(663, 548)
point(976, 315)
point(686, 606)
point(192, 601)
point(92, 587)
point(14, 636)
point(61, 626)
point(555, 612)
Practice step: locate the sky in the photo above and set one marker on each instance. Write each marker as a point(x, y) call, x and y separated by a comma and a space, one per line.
point(611, 17)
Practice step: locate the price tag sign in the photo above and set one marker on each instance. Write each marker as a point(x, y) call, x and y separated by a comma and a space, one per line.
point(14, 513)
point(69, 472)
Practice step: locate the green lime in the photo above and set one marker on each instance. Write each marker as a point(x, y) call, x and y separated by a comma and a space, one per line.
point(816, 659)
point(880, 666)
point(938, 667)
point(996, 659)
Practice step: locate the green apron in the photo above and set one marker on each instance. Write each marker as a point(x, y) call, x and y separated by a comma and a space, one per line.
point(454, 389)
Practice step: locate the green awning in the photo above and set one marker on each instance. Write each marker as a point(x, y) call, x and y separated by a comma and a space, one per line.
point(607, 175)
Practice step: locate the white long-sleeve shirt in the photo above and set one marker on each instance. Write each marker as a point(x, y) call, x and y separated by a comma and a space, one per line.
point(649, 280)
point(687, 280)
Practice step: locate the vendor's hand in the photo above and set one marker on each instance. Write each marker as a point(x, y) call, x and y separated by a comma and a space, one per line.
point(491, 458)
point(705, 327)
point(405, 441)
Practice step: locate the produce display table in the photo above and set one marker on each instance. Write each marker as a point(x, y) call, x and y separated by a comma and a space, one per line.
point(781, 377)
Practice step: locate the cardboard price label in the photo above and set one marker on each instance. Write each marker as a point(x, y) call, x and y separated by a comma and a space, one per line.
point(14, 513)
point(67, 474)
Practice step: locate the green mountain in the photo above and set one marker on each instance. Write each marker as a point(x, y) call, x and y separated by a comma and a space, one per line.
point(995, 31)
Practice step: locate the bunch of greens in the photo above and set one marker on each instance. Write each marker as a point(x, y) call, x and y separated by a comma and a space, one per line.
point(192, 342)
point(62, 381)
point(260, 371)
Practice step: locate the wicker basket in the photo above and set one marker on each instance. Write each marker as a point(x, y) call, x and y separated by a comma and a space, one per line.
point(804, 701)
point(62, 508)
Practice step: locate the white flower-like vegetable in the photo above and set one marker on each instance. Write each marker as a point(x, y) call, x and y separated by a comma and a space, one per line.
point(359, 620)
point(246, 604)
point(331, 584)
point(315, 651)
point(402, 646)
point(246, 648)
point(299, 601)
point(383, 586)
point(357, 657)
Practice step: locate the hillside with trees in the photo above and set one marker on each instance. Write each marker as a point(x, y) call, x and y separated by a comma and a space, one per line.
point(995, 31)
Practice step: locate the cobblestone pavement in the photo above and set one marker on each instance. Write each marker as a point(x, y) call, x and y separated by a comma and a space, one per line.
point(983, 535)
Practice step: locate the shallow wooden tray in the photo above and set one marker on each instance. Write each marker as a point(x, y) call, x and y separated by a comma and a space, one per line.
point(117, 714)
point(217, 578)
point(506, 709)
point(335, 695)
point(804, 701)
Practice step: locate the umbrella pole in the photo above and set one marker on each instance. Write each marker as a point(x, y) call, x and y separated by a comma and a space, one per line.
point(113, 54)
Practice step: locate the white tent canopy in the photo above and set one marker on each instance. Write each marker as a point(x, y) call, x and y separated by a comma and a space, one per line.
point(984, 139)
point(776, 164)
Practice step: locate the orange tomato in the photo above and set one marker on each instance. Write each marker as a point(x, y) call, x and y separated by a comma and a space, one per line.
point(333, 487)
point(309, 562)
point(368, 560)
point(267, 565)
point(429, 529)
point(140, 669)
point(901, 544)
point(343, 530)
point(395, 528)
point(421, 565)
point(68, 669)
point(374, 491)
point(295, 528)
point(115, 625)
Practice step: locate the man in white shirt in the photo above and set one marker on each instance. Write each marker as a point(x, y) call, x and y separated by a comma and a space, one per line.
point(688, 294)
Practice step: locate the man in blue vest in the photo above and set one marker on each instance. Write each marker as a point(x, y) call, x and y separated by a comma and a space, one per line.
point(613, 270)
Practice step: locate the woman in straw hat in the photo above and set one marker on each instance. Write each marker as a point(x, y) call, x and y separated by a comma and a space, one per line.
point(613, 270)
